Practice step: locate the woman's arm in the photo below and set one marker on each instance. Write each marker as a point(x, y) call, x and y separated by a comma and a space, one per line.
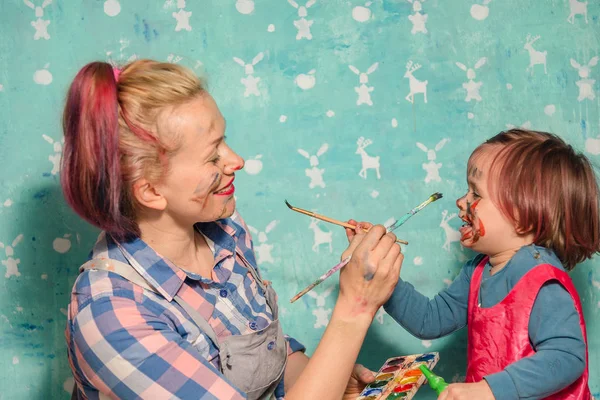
point(328, 370)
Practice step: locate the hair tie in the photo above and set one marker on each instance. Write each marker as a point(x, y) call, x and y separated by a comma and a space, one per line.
point(116, 73)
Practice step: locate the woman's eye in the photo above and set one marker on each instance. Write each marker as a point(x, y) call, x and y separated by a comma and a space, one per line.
point(216, 159)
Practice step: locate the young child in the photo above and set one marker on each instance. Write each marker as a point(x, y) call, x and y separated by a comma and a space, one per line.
point(531, 210)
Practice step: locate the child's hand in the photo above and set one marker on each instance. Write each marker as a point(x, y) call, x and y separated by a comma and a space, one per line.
point(467, 391)
point(351, 232)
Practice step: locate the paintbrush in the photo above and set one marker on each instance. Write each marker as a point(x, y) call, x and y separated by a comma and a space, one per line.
point(405, 217)
point(341, 264)
point(330, 220)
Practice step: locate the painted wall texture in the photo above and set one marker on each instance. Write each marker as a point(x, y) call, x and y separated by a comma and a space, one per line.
point(349, 108)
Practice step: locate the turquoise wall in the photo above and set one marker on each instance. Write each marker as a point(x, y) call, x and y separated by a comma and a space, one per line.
point(326, 75)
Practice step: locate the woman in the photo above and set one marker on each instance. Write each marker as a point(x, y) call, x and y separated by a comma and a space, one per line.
point(171, 304)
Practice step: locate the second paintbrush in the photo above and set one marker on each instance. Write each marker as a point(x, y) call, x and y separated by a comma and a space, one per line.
point(330, 220)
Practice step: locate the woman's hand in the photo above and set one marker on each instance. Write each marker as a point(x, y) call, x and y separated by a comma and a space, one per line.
point(467, 391)
point(360, 378)
point(371, 275)
point(360, 225)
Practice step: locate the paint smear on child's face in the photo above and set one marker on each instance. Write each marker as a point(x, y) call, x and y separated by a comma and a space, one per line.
point(475, 228)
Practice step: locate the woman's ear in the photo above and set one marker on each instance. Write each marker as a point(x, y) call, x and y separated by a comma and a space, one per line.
point(148, 195)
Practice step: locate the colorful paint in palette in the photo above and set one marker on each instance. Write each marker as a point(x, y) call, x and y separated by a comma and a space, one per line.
point(399, 377)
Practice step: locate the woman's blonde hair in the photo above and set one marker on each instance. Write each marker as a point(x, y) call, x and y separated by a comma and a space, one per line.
point(115, 134)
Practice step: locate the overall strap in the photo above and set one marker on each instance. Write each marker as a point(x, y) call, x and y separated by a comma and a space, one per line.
point(129, 273)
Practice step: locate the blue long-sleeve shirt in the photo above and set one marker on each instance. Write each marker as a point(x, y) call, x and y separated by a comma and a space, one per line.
point(554, 330)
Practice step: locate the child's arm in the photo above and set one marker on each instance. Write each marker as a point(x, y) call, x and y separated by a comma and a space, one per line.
point(431, 319)
point(556, 337)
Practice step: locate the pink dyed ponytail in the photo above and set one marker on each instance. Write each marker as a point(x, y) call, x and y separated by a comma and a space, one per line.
point(91, 176)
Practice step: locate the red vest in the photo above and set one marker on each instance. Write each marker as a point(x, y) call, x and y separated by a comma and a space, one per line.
point(499, 336)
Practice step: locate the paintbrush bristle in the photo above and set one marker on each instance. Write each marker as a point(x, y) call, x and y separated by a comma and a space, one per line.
point(289, 205)
point(436, 196)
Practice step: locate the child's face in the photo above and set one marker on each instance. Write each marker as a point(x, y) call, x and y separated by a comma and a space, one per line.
point(486, 229)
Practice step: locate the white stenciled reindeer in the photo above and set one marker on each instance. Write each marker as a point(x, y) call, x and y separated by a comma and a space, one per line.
point(431, 167)
point(416, 86)
point(577, 8)
point(418, 20)
point(321, 237)
point(535, 57)
point(585, 84)
point(364, 96)
point(471, 86)
point(250, 82)
point(55, 158)
point(321, 313)
point(263, 249)
point(12, 264)
point(182, 17)
point(40, 25)
point(314, 173)
point(368, 162)
point(452, 235)
point(303, 25)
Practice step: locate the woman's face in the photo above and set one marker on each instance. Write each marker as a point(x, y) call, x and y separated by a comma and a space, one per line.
point(198, 185)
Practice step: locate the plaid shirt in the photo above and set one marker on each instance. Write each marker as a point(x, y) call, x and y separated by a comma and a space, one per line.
point(128, 343)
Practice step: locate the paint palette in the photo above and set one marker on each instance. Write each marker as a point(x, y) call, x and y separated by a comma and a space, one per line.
point(399, 378)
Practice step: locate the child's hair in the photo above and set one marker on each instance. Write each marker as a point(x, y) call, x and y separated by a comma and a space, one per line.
point(112, 126)
point(548, 189)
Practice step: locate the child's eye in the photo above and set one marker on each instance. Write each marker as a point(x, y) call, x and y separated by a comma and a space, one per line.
point(475, 194)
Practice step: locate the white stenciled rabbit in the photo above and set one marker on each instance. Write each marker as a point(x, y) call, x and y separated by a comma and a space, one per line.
point(303, 25)
point(40, 25)
point(368, 162)
point(585, 84)
point(12, 264)
point(471, 86)
point(535, 57)
point(321, 237)
point(321, 313)
point(418, 20)
point(364, 96)
point(314, 173)
point(452, 235)
point(55, 158)
point(250, 82)
point(263, 249)
point(431, 167)
point(182, 17)
point(321, 298)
